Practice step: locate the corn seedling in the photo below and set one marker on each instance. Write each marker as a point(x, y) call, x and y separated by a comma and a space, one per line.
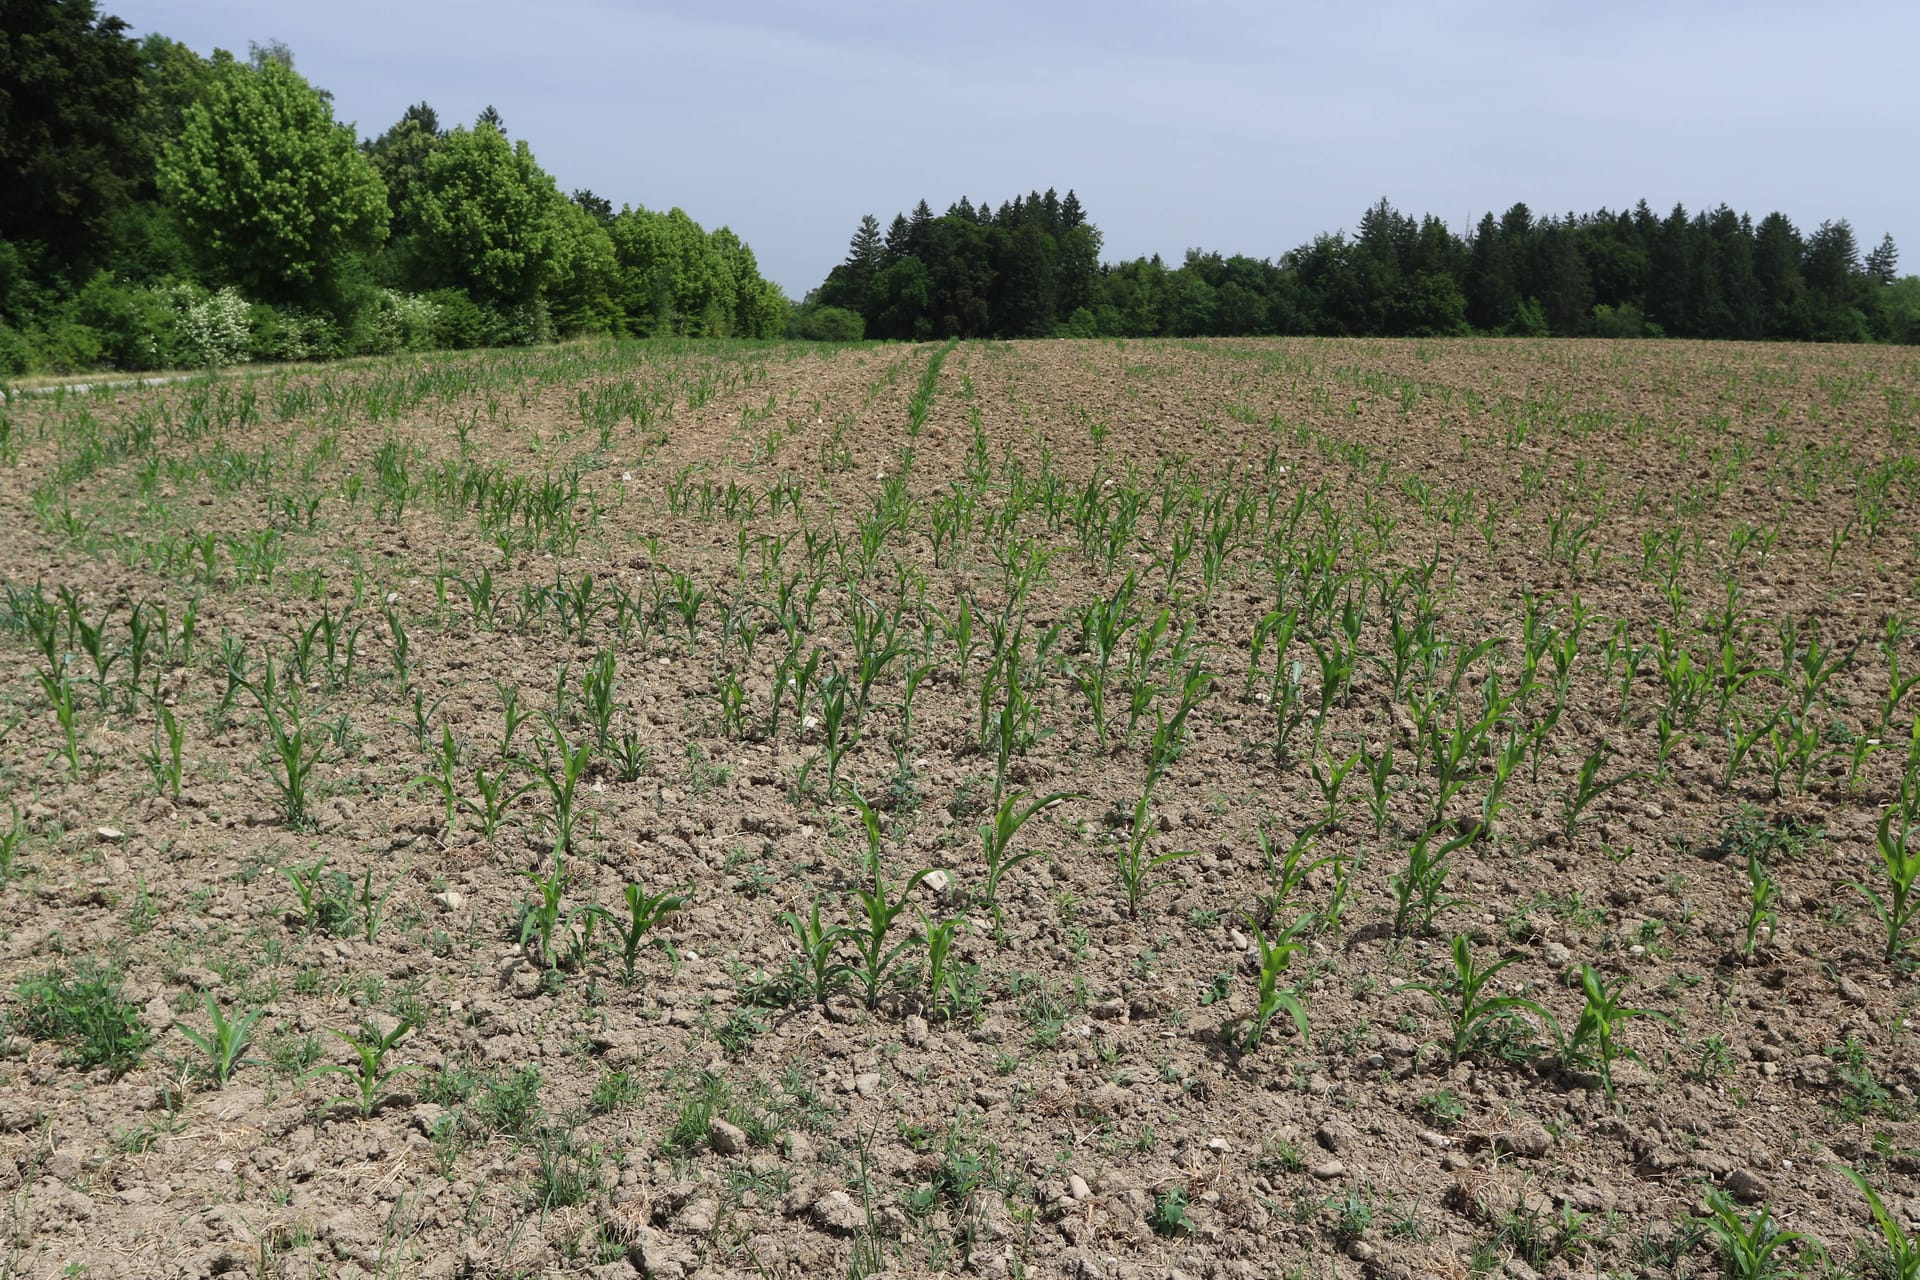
point(869, 938)
point(1286, 872)
point(59, 691)
point(541, 922)
point(294, 747)
point(1419, 890)
point(1903, 1247)
point(512, 716)
point(1379, 771)
point(1276, 954)
point(370, 1074)
point(400, 647)
point(561, 766)
point(1135, 865)
point(1895, 909)
point(1588, 787)
point(1473, 1011)
point(10, 842)
point(1331, 782)
point(163, 758)
point(687, 599)
point(226, 1042)
point(1595, 1041)
point(645, 912)
point(1746, 1242)
point(815, 970)
point(371, 909)
point(446, 780)
point(997, 833)
point(596, 698)
point(938, 940)
point(324, 906)
point(497, 792)
point(1762, 891)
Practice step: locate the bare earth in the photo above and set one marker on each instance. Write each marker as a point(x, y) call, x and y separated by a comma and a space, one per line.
point(1372, 603)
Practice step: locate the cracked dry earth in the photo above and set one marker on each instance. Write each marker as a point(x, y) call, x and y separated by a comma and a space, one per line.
point(1584, 659)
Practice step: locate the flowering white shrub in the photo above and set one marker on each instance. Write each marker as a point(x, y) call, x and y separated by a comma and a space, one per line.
point(211, 327)
point(401, 322)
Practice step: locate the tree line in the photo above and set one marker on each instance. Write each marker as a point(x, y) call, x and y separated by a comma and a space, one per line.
point(1031, 268)
point(159, 208)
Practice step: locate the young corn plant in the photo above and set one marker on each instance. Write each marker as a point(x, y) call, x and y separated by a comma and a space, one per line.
point(938, 940)
point(1286, 872)
point(59, 691)
point(1472, 1011)
point(1505, 761)
point(1903, 1247)
point(10, 842)
point(1379, 771)
point(1420, 889)
point(1276, 954)
point(562, 764)
point(869, 938)
point(1595, 1039)
point(1589, 786)
point(497, 792)
point(839, 729)
point(1745, 1242)
point(1137, 867)
point(294, 747)
point(596, 699)
point(1743, 735)
point(1331, 782)
point(816, 970)
point(645, 912)
point(163, 758)
point(1896, 907)
point(324, 904)
point(998, 832)
point(1762, 892)
point(226, 1042)
point(445, 781)
point(370, 1074)
point(544, 919)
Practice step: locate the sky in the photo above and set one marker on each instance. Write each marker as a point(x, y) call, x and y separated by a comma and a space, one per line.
point(1230, 125)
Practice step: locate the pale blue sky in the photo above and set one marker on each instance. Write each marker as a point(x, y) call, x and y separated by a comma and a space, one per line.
point(1224, 124)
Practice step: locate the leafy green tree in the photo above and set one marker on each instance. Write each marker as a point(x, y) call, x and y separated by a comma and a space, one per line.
point(1430, 305)
point(904, 294)
point(1566, 293)
point(1836, 284)
point(1777, 252)
point(959, 256)
point(1079, 263)
point(848, 285)
point(270, 190)
point(1026, 292)
point(483, 213)
point(757, 308)
point(599, 206)
point(400, 155)
point(580, 287)
point(816, 323)
point(70, 93)
point(675, 278)
point(1883, 263)
point(1492, 289)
